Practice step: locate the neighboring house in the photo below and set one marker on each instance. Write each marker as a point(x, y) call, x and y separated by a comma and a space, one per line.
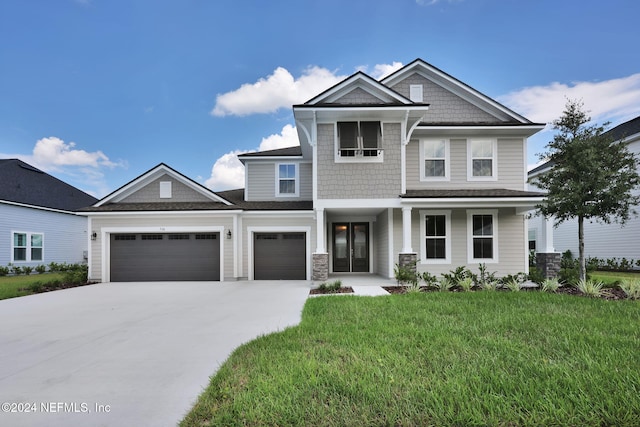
point(38, 224)
point(600, 240)
point(417, 167)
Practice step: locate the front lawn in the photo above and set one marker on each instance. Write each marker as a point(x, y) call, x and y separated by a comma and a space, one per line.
point(444, 359)
point(613, 277)
point(19, 286)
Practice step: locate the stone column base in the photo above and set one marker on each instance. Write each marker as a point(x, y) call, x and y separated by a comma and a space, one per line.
point(320, 268)
point(549, 264)
point(408, 260)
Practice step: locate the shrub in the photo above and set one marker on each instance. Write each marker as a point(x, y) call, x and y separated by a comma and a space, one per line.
point(429, 279)
point(631, 288)
point(444, 284)
point(591, 288)
point(40, 269)
point(36, 287)
point(27, 270)
point(4, 271)
point(485, 277)
point(550, 285)
point(75, 274)
point(535, 275)
point(405, 275)
point(490, 285)
point(457, 275)
point(514, 285)
point(466, 284)
point(16, 269)
point(330, 287)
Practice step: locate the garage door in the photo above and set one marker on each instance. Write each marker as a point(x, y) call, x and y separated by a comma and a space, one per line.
point(280, 256)
point(164, 257)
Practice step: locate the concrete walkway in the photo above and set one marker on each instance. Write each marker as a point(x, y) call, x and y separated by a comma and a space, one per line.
point(129, 354)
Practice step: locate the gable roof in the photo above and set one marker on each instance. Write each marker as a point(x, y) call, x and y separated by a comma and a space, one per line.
point(455, 86)
point(25, 184)
point(385, 94)
point(152, 174)
point(624, 131)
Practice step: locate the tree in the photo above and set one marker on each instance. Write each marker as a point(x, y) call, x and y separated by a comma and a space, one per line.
point(593, 176)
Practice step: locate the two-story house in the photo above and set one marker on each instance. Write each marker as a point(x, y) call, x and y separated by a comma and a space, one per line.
point(417, 167)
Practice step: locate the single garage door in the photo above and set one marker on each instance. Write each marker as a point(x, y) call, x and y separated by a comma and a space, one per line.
point(280, 256)
point(165, 257)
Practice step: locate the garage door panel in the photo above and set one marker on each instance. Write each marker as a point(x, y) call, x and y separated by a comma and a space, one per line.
point(164, 257)
point(280, 256)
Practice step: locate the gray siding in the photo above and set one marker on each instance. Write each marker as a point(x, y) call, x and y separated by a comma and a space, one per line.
point(65, 235)
point(444, 105)
point(381, 244)
point(511, 242)
point(150, 193)
point(261, 181)
point(358, 180)
point(510, 159)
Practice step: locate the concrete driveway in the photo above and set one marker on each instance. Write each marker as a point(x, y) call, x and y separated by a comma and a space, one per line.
point(129, 354)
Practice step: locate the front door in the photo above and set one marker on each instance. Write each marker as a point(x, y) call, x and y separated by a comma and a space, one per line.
point(351, 247)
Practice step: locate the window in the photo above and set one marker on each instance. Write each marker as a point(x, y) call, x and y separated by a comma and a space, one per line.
point(286, 180)
point(483, 230)
point(28, 247)
point(482, 159)
point(359, 139)
point(434, 164)
point(435, 245)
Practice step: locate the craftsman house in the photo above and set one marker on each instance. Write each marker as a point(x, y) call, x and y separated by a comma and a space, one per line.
point(417, 167)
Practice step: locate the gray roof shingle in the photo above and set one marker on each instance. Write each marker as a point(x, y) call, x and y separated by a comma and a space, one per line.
point(23, 183)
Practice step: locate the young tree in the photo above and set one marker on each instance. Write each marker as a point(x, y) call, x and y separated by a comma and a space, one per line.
point(593, 176)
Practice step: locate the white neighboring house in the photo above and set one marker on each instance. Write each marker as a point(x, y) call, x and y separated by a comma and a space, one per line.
point(600, 240)
point(38, 224)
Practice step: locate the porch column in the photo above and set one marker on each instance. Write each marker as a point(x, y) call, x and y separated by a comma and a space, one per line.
point(320, 258)
point(547, 259)
point(406, 231)
point(407, 258)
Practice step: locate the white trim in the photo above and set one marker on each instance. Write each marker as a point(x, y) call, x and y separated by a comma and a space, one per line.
point(406, 230)
point(235, 238)
point(42, 208)
point(494, 236)
point(27, 247)
point(423, 237)
point(358, 203)
point(526, 244)
point(391, 258)
point(525, 203)
point(278, 229)
point(105, 236)
point(185, 213)
point(416, 93)
point(296, 179)
point(447, 160)
point(90, 249)
point(362, 81)
point(493, 158)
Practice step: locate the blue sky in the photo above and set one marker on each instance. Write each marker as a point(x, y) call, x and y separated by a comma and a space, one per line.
point(97, 92)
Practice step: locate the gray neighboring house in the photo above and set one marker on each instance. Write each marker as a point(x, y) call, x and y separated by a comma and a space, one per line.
point(415, 168)
point(601, 240)
point(38, 222)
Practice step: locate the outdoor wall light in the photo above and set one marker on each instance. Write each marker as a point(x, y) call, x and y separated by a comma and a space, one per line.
point(228, 234)
point(94, 235)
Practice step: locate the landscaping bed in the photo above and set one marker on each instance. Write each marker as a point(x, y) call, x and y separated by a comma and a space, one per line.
point(608, 294)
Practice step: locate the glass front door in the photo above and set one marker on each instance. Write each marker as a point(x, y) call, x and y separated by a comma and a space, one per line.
point(351, 247)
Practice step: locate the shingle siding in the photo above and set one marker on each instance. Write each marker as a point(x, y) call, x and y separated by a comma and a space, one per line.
point(150, 193)
point(358, 180)
point(444, 106)
point(358, 96)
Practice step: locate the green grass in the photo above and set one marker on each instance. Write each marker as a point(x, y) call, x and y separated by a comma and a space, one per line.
point(610, 278)
point(18, 286)
point(442, 359)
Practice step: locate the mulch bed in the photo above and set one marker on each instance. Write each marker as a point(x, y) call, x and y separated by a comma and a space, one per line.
point(611, 293)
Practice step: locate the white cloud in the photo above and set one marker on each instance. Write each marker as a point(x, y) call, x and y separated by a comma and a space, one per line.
point(279, 90)
point(616, 100)
point(228, 173)
point(79, 168)
point(282, 90)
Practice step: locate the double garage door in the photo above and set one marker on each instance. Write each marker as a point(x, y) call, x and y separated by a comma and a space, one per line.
point(165, 257)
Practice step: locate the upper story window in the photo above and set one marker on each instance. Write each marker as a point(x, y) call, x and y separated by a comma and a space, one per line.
point(434, 160)
point(359, 139)
point(481, 162)
point(287, 181)
point(27, 247)
point(483, 236)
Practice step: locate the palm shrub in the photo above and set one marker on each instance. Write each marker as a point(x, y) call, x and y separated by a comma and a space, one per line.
point(466, 284)
point(4, 271)
point(513, 285)
point(550, 285)
point(40, 269)
point(444, 284)
point(631, 288)
point(591, 288)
